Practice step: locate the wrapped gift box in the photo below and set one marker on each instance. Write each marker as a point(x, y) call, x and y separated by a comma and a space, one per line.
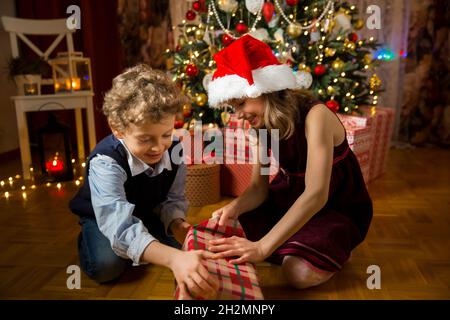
point(236, 282)
point(360, 140)
point(380, 122)
point(203, 184)
point(236, 140)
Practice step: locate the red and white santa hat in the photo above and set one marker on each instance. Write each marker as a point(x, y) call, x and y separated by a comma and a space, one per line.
point(248, 68)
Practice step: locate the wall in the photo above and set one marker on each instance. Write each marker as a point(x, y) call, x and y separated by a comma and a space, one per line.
point(8, 129)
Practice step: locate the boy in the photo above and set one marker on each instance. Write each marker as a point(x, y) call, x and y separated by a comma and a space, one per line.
point(132, 204)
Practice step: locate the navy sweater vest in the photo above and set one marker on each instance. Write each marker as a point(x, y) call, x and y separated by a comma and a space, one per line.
point(141, 190)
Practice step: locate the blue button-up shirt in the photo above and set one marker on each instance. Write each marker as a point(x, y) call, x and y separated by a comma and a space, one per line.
point(126, 233)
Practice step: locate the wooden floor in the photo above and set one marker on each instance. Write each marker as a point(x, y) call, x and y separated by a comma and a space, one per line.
point(409, 240)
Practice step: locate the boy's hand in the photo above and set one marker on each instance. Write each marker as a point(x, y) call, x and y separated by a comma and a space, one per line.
point(225, 213)
point(192, 277)
point(179, 229)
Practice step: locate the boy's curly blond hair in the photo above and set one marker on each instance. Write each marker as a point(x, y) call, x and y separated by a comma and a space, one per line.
point(141, 94)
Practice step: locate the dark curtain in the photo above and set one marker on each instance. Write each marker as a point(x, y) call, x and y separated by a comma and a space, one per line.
point(425, 113)
point(98, 39)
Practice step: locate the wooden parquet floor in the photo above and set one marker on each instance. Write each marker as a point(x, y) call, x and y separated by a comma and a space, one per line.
point(409, 240)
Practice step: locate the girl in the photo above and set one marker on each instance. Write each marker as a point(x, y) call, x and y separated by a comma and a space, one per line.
point(317, 209)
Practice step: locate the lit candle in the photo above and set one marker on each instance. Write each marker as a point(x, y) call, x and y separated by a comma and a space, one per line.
point(24, 195)
point(7, 195)
point(58, 186)
point(75, 84)
point(54, 166)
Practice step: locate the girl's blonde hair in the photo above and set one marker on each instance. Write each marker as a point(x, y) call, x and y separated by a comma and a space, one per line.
point(282, 109)
point(141, 94)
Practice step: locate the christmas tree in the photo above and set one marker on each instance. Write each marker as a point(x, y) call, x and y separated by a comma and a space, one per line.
point(317, 38)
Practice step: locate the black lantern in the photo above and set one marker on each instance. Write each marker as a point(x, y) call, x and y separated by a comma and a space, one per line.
point(54, 151)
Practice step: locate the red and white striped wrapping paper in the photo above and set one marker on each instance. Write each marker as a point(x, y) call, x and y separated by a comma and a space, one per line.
point(236, 282)
point(380, 123)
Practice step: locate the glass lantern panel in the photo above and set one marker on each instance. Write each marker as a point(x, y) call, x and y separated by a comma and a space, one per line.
point(82, 73)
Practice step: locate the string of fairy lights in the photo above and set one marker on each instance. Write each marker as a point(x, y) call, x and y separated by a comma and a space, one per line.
point(15, 187)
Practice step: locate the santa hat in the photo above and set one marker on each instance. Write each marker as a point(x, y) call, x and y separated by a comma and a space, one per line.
point(248, 68)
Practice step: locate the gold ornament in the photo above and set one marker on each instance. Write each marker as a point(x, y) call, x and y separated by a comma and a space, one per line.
point(181, 41)
point(330, 90)
point(359, 24)
point(229, 6)
point(225, 116)
point(304, 67)
point(337, 64)
point(199, 34)
point(294, 30)
point(329, 52)
point(375, 82)
point(367, 59)
point(349, 44)
point(201, 99)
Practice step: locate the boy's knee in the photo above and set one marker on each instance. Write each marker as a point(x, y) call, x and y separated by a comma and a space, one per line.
point(105, 270)
point(301, 275)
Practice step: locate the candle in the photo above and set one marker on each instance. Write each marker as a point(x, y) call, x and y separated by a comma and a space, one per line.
point(75, 84)
point(54, 166)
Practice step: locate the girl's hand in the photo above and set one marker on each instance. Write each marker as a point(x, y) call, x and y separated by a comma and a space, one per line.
point(192, 277)
point(227, 212)
point(244, 249)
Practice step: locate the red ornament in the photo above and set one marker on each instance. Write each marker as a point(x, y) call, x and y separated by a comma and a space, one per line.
point(197, 6)
point(320, 69)
point(190, 15)
point(227, 40)
point(268, 11)
point(291, 2)
point(178, 48)
point(191, 70)
point(241, 28)
point(333, 105)
point(353, 37)
point(179, 124)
